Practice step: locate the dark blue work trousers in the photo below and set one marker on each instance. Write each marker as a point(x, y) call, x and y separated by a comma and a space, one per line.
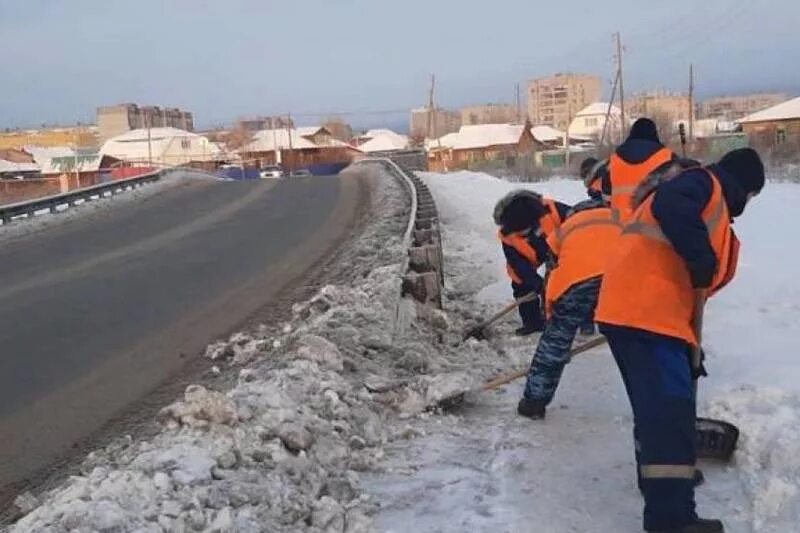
point(657, 375)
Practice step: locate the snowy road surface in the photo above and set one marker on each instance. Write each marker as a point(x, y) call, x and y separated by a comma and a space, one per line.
point(98, 310)
point(486, 469)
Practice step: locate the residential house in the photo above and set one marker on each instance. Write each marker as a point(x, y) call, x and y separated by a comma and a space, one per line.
point(477, 143)
point(161, 147)
point(775, 126)
point(596, 119)
point(381, 141)
point(309, 148)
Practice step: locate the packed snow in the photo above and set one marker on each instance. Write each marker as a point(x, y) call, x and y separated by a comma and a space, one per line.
point(484, 468)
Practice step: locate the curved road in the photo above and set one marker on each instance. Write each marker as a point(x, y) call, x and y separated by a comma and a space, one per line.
point(98, 311)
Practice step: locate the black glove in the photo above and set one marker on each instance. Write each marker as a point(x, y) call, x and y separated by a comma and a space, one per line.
point(700, 371)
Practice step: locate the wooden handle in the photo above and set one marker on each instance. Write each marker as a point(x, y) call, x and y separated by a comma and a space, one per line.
point(697, 325)
point(497, 316)
point(508, 378)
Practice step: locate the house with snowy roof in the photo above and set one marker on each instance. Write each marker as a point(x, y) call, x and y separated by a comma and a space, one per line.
point(480, 142)
point(160, 146)
point(308, 148)
point(776, 125)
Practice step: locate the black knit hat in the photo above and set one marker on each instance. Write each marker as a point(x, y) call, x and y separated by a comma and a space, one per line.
point(645, 130)
point(587, 166)
point(522, 213)
point(745, 165)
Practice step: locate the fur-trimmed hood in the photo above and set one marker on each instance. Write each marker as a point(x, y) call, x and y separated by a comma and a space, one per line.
point(504, 202)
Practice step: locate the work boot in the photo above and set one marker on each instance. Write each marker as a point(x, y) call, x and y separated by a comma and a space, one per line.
point(701, 525)
point(525, 331)
point(699, 478)
point(533, 409)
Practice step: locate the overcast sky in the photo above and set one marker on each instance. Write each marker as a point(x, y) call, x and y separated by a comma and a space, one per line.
point(223, 59)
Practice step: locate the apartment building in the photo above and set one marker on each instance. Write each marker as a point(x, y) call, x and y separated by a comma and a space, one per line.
point(554, 100)
point(433, 123)
point(117, 119)
point(658, 105)
point(732, 108)
point(489, 114)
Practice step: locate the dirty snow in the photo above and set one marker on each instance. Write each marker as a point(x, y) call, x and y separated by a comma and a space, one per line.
point(485, 469)
point(316, 401)
point(327, 429)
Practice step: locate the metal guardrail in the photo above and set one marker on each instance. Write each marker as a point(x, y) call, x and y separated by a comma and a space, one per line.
point(422, 267)
point(28, 208)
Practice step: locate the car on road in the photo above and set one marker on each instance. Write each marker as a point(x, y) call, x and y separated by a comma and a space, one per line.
point(271, 171)
point(300, 173)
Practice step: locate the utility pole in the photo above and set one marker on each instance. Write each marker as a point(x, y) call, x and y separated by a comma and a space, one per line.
point(289, 135)
point(431, 109)
point(519, 106)
point(621, 88)
point(691, 102)
point(149, 142)
point(566, 132)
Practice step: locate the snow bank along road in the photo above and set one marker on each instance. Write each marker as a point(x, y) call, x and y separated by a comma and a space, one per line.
point(98, 310)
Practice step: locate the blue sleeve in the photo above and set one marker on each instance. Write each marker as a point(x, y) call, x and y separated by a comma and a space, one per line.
point(523, 268)
point(678, 207)
point(563, 210)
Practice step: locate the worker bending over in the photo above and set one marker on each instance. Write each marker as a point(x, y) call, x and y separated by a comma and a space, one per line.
point(678, 247)
point(526, 219)
point(579, 248)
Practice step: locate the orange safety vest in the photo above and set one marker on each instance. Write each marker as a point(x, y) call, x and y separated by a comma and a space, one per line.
point(547, 224)
point(625, 177)
point(581, 244)
point(646, 284)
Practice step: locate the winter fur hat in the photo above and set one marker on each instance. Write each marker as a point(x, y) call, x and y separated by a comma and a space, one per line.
point(518, 210)
point(644, 129)
point(745, 165)
point(587, 166)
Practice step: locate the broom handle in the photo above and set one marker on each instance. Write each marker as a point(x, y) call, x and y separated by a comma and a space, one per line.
point(508, 378)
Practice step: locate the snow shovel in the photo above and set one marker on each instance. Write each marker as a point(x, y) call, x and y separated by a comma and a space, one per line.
point(716, 439)
point(477, 331)
point(497, 382)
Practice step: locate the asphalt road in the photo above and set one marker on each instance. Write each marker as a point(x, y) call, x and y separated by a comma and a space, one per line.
point(98, 311)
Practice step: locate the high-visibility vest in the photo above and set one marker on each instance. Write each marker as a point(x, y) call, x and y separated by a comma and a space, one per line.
point(646, 284)
point(582, 244)
point(625, 177)
point(547, 224)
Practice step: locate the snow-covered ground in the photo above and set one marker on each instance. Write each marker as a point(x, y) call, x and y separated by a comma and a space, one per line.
point(326, 430)
point(486, 469)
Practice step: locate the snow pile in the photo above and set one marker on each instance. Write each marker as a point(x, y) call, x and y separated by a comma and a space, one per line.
point(285, 449)
point(486, 469)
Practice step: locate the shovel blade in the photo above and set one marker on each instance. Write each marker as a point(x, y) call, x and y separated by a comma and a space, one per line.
point(716, 439)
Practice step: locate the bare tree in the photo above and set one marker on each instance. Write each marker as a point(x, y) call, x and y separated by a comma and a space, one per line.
point(339, 129)
point(238, 137)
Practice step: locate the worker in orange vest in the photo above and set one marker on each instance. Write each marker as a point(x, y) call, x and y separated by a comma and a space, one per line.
point(641, 154)
point(678, 247)
point(578, 248)
point(526, 219)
